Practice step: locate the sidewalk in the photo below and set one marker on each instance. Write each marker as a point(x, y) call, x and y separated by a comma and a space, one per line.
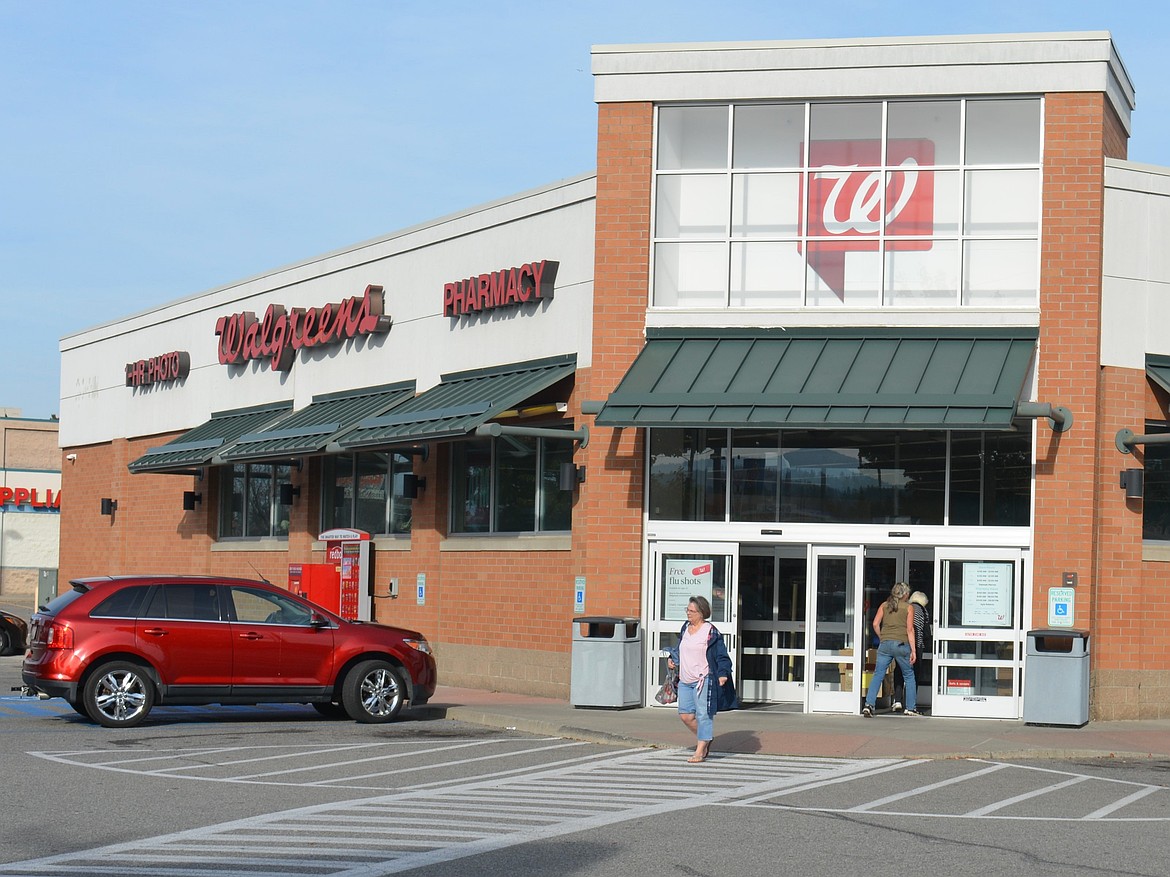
point(774, 730)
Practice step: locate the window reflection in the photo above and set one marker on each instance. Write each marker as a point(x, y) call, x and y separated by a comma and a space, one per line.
point(510, 485)
point(841, 476)
point(357, 493)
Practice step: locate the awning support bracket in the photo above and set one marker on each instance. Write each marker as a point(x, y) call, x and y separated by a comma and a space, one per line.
point(1059, 417)
point(498, 429)
point(1126, 439)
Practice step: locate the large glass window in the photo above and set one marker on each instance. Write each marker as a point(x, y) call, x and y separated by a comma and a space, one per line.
point(841, 476)
point(250, 505)
point(688, 474)
point(1156, 501)
point(924, 204)
point(510, 485)
point(358, 492)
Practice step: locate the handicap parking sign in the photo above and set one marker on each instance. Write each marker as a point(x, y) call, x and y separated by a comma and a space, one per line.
point(1061, 603)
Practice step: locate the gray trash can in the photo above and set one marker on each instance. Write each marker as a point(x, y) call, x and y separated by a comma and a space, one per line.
point(1056, 677)
point(607, 662)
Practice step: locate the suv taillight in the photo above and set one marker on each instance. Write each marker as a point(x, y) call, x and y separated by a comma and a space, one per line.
point(58, 636)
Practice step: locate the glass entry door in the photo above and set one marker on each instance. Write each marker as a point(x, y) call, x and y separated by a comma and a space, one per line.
point(773, 599)
point(682, 570)
point(835, 616)
point(884, 567)
point(979, 633)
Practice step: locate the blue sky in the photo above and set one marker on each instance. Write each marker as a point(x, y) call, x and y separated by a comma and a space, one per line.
point(152, 150)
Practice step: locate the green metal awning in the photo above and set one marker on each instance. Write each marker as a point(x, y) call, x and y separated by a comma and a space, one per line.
point(310, 429)
point(461, 402)
point(196, 447)
point(1158, 370)
point(872, 378)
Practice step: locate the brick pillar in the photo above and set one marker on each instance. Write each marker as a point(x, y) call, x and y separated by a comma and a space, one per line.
point(610, 508)
point(1078, 509)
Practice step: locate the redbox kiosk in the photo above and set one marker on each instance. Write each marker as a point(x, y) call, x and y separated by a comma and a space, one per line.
point(342, 584)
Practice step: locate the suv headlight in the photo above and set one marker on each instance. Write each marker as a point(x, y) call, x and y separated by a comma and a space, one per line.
point(418, 644)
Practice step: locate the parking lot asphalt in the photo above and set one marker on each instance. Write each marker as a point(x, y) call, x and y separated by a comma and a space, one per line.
point(783, 730)
point(776, 730)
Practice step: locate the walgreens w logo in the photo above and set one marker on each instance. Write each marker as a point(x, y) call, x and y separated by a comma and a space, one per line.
point(845, 194)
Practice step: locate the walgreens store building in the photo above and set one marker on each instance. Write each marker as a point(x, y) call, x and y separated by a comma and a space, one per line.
point(828, 316)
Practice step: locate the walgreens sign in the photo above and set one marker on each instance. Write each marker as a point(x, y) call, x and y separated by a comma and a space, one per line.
point(849, 202)
point(281, 333)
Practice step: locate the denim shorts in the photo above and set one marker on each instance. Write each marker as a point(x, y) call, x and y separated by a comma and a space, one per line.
point(692, 698)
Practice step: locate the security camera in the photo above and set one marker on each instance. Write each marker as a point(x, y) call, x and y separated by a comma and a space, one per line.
point(72, 458)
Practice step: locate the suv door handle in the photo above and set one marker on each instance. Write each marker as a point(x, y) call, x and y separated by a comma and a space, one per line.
point(251, 635)
point(155, 631)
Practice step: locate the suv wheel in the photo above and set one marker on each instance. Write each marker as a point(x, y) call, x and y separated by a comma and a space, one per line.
point(118, 695)
point(373, 692)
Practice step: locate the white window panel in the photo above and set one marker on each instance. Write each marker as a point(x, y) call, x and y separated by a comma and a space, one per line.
point(1000, 274)
point(766, 275)
point(692, 137)
point(769, 135)
point(923, 278)
point(765, 205)
point(691, 206)
point(1002, 202)
point(690, 275)
point(1003, 132)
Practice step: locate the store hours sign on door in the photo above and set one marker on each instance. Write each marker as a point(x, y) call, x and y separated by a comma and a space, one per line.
point(987, 594)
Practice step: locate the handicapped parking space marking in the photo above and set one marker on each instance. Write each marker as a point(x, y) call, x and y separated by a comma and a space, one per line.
point(204, 759)
point(431, 823)
point(1114, 794)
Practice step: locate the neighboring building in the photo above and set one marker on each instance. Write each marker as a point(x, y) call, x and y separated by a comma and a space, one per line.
point(30, 507)
point(828, 316)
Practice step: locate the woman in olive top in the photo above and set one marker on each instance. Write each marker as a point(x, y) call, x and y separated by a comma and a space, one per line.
point(894, 626)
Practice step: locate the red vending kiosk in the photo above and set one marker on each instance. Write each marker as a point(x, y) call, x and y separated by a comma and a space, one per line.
point(342, 584)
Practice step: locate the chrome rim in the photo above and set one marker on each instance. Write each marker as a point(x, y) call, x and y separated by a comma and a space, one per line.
point(380, 693)
point(120, 695)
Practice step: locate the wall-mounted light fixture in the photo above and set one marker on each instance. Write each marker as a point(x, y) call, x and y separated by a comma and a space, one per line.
point(287, 492)
point(570, 476)
point(407, 484)
point(1133, 482)
point(109, 506)
point(191, 499)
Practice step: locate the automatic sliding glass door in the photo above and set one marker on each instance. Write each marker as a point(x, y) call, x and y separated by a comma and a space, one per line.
point(835, 619)
point(773, 592)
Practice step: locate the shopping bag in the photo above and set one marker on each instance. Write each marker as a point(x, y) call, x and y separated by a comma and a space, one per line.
point(668, 693)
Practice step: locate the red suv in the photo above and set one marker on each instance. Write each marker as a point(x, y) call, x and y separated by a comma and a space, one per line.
point(115, 647)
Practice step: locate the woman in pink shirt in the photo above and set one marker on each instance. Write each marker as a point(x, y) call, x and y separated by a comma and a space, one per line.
point(704, 670)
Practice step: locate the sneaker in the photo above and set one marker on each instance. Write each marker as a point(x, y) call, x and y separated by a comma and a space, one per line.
point(867, 711)
point(897, 706)
point(912, 713)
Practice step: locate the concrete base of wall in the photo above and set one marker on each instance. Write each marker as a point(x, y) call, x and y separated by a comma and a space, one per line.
point(19, 586)
point(496, 668)
point(1121, 695)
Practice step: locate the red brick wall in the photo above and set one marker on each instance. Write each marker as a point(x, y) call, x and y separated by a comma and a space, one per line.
point(477, 602)
point(612, 495)
point(1130, 661)
point(1083, 522)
